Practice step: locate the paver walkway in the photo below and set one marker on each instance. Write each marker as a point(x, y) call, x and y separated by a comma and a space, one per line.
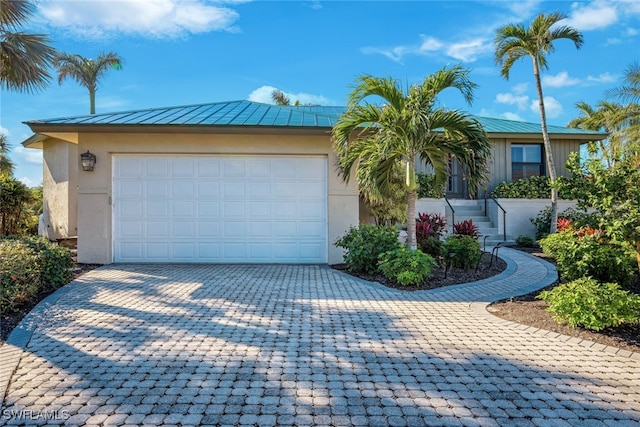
point(303, 345)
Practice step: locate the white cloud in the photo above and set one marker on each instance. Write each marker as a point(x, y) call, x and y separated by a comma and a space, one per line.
point(28, 155)
point(603, 78)
point(465, 51)
point(592, 16)
point(146, 18)
point(561, 79)
point(507, 115)
point(511, 99)
point(470, 50)
point(263, 95)
point(551, 106)
point(631, 32)
point(30, 182)
point(4, 131)
point(430, 44)
point(520, 88)
point(521, 8)
point(612, 41)
point(512, 116)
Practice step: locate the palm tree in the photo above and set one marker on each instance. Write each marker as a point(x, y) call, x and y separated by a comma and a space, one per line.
point(513, 42)
point(381, 140)
point(86, 71)
point(605, 118)
point(6, 165)
point(631, 90)
point(24, 58)
point(280, 98)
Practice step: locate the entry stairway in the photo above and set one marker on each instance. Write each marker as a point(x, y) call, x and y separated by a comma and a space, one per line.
point(474, 210)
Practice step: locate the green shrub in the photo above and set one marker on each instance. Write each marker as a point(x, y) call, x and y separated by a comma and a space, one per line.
point(365, 244)
point(19, 274)
point(542, 222)
point(525, 241)
point(585, 302)
point(533, 187)
point(431, 246)
point(427, 187)
point(405, 266)
point(461, 251)
point(29, 265)
point(591, 255)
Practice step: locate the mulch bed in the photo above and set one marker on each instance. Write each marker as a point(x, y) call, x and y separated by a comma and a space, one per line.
point(439, 277)
point(8, 321)
point(528, 310)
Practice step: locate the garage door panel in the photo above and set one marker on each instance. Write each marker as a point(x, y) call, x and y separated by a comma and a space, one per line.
point(182, 189)
point(157, 167)
point(208, 209)
point(157, 251)
point(208, 229)
point(233, 168)
point(208, 167)
point(234, 229)
point(220, 209)
point(183, 168)
point(130, 189)
point(157, 229)
point(184, 229)
point(233, 210)
point(129, 168)
point(182, 209)
point(157, 209)
point(155, 189)
point(259, 190)
point(183, 251)
point(208, 189)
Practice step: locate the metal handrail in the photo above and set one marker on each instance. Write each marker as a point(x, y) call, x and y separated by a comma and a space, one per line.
point(453, 211)
point(504, 215)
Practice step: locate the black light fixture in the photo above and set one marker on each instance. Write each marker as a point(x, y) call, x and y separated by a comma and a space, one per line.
point(88, 161)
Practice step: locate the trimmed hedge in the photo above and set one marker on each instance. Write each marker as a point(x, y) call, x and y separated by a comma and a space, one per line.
point(29, 266)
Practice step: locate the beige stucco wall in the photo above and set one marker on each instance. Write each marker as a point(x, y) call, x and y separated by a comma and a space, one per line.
point(60, 180)
point(94, 190)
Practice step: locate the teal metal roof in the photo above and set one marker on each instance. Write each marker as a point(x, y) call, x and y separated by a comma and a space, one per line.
point(254, 114)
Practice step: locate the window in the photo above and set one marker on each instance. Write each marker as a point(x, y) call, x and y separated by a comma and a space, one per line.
point(526, 161)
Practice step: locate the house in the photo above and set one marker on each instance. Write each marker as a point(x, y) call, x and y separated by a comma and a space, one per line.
point(226, 182)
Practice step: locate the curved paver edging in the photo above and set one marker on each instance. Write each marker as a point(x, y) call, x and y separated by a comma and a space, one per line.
point(480, 308)
point(11, 350)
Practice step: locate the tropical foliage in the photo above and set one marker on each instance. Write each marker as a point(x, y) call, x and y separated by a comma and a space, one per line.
point(514, 42)
point(6, 164)
point(380, 140)
point(20, 207)
point(365, 244)
point(86, 71)
point(24, 58)
point(408, 267)
point(585, 302)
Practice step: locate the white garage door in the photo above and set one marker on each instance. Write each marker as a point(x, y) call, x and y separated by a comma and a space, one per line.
point(255, 209)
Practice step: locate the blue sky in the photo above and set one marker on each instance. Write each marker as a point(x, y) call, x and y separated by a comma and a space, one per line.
point(179, 52)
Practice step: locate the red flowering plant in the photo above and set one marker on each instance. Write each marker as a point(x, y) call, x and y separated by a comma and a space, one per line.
point(429, 228)
point(466, 228)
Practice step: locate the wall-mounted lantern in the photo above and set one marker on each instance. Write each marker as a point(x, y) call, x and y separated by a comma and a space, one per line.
point(88, 161)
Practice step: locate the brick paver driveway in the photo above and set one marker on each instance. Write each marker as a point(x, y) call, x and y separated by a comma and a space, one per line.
point(303, 345)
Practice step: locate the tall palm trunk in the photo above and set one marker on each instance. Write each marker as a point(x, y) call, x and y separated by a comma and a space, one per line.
point(411, 219)
point(412, 195)
point(92, 101)
point(551, 166)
